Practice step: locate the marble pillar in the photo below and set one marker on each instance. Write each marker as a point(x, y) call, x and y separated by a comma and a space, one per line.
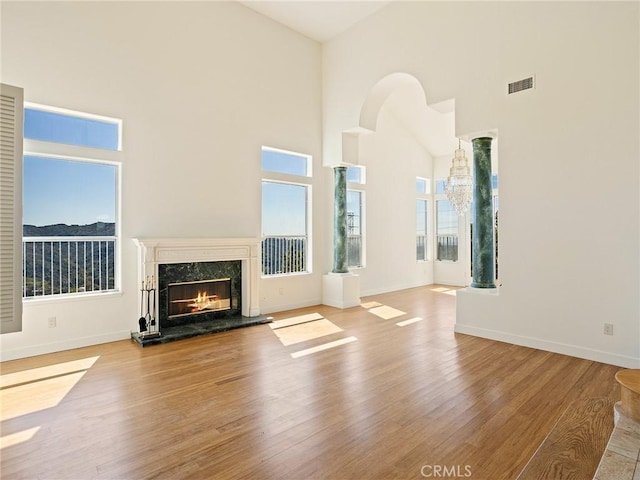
point(340, 264)
point(483, 248)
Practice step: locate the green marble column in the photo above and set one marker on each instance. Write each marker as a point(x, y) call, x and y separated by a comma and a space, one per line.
point(483, 249)
point(340, 221)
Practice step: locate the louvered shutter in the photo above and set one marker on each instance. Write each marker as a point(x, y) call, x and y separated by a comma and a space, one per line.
point(11, 122)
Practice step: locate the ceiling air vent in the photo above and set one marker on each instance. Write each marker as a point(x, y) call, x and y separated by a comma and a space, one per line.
point(520, 85)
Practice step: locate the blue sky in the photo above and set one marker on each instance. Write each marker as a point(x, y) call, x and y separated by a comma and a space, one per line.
point(65, 191)
point(283, 209)
point(68, 191)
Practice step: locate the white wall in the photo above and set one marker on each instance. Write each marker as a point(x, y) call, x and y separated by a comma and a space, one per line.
point(569, 178)
point(200, 86)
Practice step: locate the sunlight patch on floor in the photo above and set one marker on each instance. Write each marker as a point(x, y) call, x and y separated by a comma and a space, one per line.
point(324, 346)
point(306, 331)
point(445, 290)
point(287, 322)
point(18, 437)
point(41, 373)
point(36, 396)
point(439, 289)
point(404, 323)
point(368, 305)
point(33, 390)
point(385, 312)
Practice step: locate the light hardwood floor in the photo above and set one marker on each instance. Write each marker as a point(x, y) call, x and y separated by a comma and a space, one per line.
point(397, 403)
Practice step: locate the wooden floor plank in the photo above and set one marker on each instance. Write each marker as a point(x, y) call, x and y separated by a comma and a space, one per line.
point(575, 445)
point(395, 402)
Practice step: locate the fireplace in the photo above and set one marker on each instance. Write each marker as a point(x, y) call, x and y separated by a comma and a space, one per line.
point(157, 253)
point(206, 264)
point(198, 291)
point(200, 297)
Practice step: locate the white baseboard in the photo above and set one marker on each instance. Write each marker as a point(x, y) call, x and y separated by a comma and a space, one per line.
point(548, 346)
point(290, 306)
point(42, 349)
point(394, 288)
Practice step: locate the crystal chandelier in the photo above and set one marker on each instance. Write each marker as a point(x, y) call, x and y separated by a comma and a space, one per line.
point(459, 187)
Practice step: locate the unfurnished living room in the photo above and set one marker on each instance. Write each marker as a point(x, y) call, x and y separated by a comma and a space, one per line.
point(320, 240)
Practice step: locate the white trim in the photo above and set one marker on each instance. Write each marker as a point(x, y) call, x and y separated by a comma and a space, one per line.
point(38, 148)
point(283, 307)
point(70, 297)
point(549, 346)
point(60, 346)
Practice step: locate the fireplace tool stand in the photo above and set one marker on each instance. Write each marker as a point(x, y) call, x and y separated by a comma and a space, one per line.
point(147, 322)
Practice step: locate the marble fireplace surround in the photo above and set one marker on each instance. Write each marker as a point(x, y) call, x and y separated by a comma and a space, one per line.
point(153, 252)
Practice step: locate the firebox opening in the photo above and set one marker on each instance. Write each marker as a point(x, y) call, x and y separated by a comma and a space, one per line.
point(193, 298)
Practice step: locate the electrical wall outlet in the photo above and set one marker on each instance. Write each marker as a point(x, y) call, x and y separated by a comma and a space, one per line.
point(52, 322)
point(608, 328)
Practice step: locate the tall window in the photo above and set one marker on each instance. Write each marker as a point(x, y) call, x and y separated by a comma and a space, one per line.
point(496, 198)
point(446, 231)
point(70, 203)
point(423, 189)
point(286, 194)
point(355, 216)
point(354, 228)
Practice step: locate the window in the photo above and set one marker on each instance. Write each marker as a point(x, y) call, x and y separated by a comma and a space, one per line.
point(70, 239)
point(356, 175)
point(423, 186)
point(446, 231)
point(422, 207)
point(286, 193)
point(496, 203)
point(355, 216)
point(280, 161)
point(354, 228)
point(52, 125)
point(423, 189)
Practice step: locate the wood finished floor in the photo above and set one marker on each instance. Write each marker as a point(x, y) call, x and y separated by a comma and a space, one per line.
point(397, 403)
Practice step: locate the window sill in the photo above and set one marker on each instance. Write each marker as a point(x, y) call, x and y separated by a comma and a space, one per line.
point(74, 297)
point(285, 275)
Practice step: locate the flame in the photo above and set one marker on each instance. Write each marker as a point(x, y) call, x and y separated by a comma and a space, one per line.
point(203, 301)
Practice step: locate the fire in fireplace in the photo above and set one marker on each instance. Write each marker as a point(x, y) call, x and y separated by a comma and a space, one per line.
point(193, 298)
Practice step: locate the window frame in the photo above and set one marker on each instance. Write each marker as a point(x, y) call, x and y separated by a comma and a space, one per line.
point(78, 153)
point(427, 197)
point(427, 229)
point(361, 188)
point(362, 193)
point(305, 181)
point(443, 198)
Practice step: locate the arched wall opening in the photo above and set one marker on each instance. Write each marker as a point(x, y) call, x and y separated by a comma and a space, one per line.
point(400, 139)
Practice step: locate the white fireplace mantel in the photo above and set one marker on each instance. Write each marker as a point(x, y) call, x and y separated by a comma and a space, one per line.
point(157, 251)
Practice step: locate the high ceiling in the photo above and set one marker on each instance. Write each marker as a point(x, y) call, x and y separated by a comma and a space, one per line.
point(323, 20)
point(319, 20)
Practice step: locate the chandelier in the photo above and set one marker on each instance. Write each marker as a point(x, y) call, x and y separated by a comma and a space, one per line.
point(459, 187)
